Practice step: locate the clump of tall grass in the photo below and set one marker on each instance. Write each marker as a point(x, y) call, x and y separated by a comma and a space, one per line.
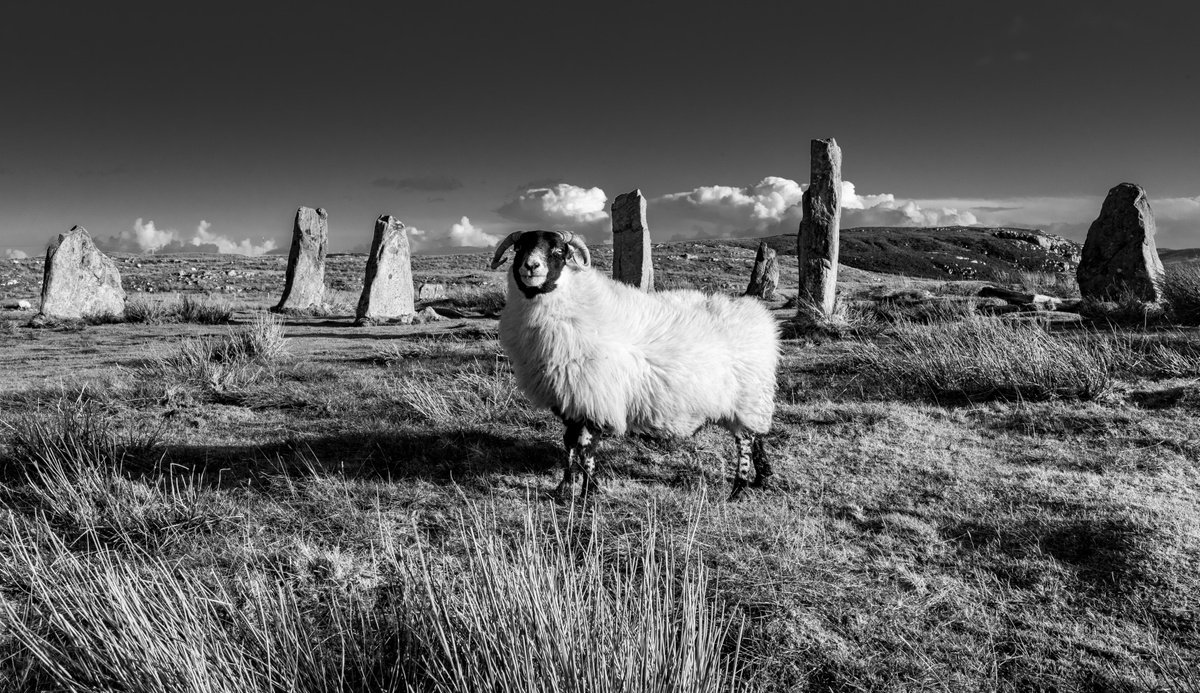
point(188, 309)
point(80, 478)
point(983, 359)
point(227, 363)
point(555, 611)
point(846, 319)
point(1059, 284)
point(475, 393)
point(1181, 289)
point(547, 609)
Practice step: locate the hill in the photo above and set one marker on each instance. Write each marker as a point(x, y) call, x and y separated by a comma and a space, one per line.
point(948, 252)
point(1170, 257)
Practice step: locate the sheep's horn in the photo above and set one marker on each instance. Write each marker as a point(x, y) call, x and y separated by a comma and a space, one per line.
point(498, 258)
point(577, 243)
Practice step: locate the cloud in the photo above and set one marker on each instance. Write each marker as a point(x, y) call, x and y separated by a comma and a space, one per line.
point(14, 254)
point(560, 206)
point(421, 183)
point(464, 234)
point(146, 237)
point(773, 205)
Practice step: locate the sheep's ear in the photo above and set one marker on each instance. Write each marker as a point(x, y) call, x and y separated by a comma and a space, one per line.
point(498, 258)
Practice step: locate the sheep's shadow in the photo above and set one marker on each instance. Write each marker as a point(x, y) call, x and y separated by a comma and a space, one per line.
point(447, 457)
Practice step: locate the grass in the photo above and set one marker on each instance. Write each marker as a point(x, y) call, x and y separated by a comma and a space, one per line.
point(228, 364)
point(982, 359)
point(188, 309)
point(1181, 289)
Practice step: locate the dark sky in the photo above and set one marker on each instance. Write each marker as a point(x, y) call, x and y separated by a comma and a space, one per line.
point(437, 111)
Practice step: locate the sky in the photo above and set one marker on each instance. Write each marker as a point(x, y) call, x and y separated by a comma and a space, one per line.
point(160, 128)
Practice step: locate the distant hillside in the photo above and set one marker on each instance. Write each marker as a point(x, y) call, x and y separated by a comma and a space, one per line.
point(946, 252)
point(1170, 257)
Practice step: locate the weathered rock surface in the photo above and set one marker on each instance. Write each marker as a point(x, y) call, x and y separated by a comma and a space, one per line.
point(1020, 298)
point(764, 279)
point(817, 241)
point(632, 262)
point(388, 287)
point(429, 315)
point(304, 286)
point(1054, 246)
point(78, 280)
point(1119, 256)
point(430, 291)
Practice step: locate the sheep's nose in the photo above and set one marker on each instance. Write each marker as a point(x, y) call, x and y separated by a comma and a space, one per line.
point(532, 264)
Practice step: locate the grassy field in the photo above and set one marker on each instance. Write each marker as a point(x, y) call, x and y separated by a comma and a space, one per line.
point(963, 503)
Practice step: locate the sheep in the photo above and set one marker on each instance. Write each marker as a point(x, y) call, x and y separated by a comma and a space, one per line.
point(607, 358)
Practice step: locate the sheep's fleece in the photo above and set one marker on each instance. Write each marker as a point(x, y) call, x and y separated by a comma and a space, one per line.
point(661, 363)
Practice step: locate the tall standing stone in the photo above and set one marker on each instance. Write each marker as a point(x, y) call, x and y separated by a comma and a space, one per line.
point(817, 242)
point(632, 262)
point(78, 280)
point(1119, 256)
point(388, 287)
point(764, 279)
point(304, 287)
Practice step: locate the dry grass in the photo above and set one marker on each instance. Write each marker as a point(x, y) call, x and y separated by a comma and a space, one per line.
point(1181, 289)
point(187, 309)
point(982, 359)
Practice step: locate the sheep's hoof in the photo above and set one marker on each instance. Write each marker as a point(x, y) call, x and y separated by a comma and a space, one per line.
point(762, 481)
point(739, 489)
point(563, 492)
point(590, 488)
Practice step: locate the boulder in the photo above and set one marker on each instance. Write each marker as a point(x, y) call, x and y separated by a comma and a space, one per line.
point(632, 262)
point(817, 241)
point(429, 315)
point(1119, 256)
point(304, 286)
point(79, 281)
point(431, 292)
point(24, 305)
point(388, 287)
point(764, 279)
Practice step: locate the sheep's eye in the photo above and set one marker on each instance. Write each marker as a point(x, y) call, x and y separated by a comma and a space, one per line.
point(558, 251)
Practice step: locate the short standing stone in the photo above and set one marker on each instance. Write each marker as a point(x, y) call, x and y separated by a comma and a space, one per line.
point(764, 279)
point(1119, 256)
point(304, 286)
point(79, 281)
point(817, 242)
point(430, 291)
point(388, 287)
point(632, 262)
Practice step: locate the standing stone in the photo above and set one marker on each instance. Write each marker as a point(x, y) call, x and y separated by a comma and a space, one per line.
point(79, 281)
point(388, 287)
point(817, 242)
point(1119, 256)
point(305, 284)
point(632, 262)
point(764, 280)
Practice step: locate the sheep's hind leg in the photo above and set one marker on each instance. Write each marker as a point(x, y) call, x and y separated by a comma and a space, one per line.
point(741, 476)
point(762, 465)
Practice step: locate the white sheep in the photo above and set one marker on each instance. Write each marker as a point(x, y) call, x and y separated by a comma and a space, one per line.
point(608, 358)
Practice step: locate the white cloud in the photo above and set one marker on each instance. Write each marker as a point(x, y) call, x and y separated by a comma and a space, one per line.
point(773, 205)
point(14, 254)
point(146, 237)
point(560, 206)
point(464, 235)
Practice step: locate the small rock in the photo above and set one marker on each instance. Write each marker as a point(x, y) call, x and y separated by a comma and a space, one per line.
point(24, 305)
point(431, 292)
point(429, 315)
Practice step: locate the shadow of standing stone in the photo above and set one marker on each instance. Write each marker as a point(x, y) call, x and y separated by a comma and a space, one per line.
point(1119, 256)
point(388, 287)
point(304, 287)
point(79, 281)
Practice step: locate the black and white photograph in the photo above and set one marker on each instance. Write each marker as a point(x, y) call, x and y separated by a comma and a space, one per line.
point(694, 347)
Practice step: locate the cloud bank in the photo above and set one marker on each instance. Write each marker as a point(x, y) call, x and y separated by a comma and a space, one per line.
point(460, 235)
point(14, 254)
point(773, 205)
point(146, 237)
point(560, 206)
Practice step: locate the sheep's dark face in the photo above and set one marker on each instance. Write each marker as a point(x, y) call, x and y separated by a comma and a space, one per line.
point(539, 261)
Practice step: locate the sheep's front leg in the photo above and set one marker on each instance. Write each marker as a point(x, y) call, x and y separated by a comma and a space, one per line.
point(580, 440)
point(744, 442)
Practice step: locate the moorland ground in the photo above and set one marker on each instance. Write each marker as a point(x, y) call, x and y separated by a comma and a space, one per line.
point(962, 503)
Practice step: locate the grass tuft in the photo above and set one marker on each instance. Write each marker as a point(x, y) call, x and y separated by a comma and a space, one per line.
point(1181, 289)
